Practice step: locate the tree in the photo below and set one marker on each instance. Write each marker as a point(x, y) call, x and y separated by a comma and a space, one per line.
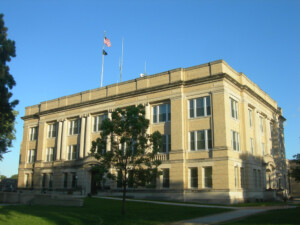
point(131, 159)
point(295, 170)
point(15, 176)
point(7, 114)
point(2, 177)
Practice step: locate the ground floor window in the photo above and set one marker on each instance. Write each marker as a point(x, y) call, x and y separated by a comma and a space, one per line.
point(43, 180)
point(242, 171)
point(166, 178)
point(50, 185)
point(193, 177)
point(65, 180)
point(74, 180)
point(208, 177)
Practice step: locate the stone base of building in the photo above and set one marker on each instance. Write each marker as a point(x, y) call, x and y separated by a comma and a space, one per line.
point(199, 196)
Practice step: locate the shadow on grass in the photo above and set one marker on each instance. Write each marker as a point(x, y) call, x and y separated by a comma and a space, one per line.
point(101, 212)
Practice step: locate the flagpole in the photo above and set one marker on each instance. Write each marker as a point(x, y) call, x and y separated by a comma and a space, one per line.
point(121, 66)
point(102, 61)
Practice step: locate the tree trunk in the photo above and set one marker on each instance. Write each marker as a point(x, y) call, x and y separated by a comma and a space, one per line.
point(124, 194)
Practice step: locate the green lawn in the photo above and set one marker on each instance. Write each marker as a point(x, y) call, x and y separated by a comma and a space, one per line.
point(100, 211)
point(280, 216)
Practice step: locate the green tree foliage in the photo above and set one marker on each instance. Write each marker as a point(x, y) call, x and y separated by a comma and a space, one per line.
point(15, 176)
point(295, 171)
point(2, 177)
point(131, 159)
point(7, 114)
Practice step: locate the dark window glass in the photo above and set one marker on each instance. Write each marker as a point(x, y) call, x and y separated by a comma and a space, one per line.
point(200, 106)
point(194, 177)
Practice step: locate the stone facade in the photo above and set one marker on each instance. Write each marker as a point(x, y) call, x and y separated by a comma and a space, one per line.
point(224, 136)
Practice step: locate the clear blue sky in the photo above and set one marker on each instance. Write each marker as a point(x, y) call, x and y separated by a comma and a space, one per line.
point(59, 46)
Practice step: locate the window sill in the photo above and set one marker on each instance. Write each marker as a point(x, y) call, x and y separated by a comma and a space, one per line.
point(200, 150)
point(160, 123)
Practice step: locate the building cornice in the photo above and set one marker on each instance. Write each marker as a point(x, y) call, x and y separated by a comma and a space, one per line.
point(155, 89)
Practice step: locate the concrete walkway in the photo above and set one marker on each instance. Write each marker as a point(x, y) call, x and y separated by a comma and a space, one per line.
point(212, 219)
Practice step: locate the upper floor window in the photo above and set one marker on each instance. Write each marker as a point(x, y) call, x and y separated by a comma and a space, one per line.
point(250, 117)
point(234, 108)
point(200, 140)
point(49, 154)
point(235, 137)
point(72, 152)
point(74, 126)
point(166, 143)
point(31, 156)
point(261, 124)
point(97, 122)
point(51, 130)
point(199, 107)
point(33, 133)
point(161, 113)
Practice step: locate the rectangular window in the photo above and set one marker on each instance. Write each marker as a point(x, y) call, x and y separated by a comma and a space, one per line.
point(26, 180)
point(51, 130)
point(74, 126)
point(43, 180)
point(261, 124)
point(236, 183)
point(255, 178)
point(31, 156)
point(74, 180)
point(49, 154)
point(242, 171)
point(252, 146)
point(161, 113)
point(235, 140)
point(263, 148)
point(166, 143)
point(193, 177)
point(250, 117)
point(97, 122)
point(234, 108)
point(199, 107)
point(208, 177)
point(65, 180)
point(72, 152)
point(50, 185)
point(200, 140)
point(33, 133)
point(166, 178)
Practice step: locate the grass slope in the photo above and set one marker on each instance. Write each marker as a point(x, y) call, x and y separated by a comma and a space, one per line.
point(100, 211)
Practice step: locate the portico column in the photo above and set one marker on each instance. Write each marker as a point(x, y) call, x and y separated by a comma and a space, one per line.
point(88, 135)
point(58, 140)
point(82, 135)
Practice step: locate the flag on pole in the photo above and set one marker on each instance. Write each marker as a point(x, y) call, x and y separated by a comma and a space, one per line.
point(104, 52)
point(107, 42)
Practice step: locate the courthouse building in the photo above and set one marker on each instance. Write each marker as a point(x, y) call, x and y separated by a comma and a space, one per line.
point(223, 136)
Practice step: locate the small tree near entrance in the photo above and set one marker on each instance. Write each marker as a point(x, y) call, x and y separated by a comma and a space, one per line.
point(130, 159)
